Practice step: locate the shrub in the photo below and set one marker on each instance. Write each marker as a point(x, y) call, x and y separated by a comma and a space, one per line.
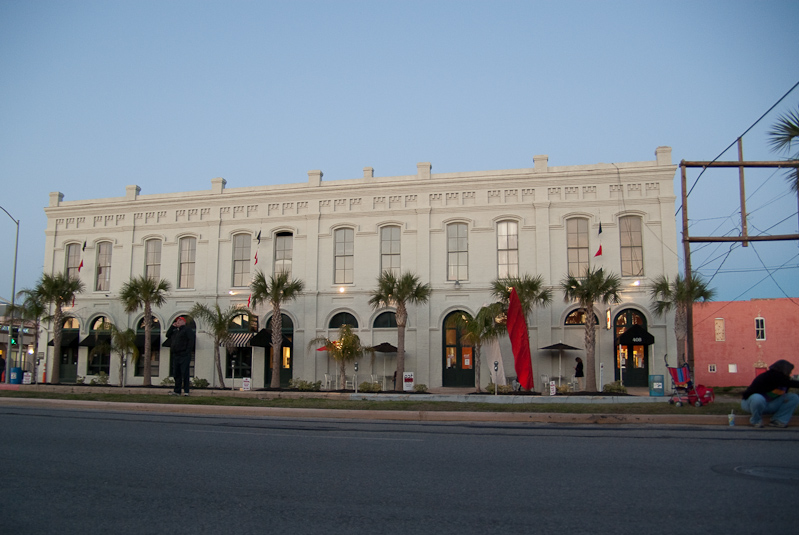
point(420, 388)
point(197, 382)
point(168, 381)
point(614, 388)
point(80, 380)
point(503, 389)
point(368, 386)
point(101, 379)
point(305, 386)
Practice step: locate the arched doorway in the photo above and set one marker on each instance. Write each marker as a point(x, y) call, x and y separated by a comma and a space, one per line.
point(287, 351)
point(632, 353)
point(458, 358)
point(68, 353)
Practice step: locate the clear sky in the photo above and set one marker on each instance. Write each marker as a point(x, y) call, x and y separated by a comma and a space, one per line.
point(97, 95)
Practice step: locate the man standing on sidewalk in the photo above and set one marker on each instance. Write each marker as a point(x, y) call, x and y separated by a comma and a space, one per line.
point(180, 349)
point(768, 394)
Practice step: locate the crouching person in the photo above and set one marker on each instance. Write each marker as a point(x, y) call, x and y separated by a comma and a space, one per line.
point(768, 394)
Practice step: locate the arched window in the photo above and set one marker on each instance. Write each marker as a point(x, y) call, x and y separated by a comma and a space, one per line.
point(188, 252)
point(103, 267)
point(344, 259)
point(155, 347)
point(390, 250)
point(152, 259)
point(457, 252)
point(577, 317)
point(99, 344)
point(386, 320)
point(73, 260)
point(284, 252)
point(343, 318)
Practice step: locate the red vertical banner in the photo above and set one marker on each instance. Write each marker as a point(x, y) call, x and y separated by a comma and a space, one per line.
point(520, 342)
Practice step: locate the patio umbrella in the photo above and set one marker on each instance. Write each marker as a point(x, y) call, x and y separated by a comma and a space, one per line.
point(385, 347)
point(561, 347)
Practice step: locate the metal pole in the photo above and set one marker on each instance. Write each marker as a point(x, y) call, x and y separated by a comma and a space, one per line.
point(744, 230)
point(13, 292)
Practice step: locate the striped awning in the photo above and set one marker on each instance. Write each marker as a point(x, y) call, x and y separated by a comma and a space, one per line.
point(238, 340)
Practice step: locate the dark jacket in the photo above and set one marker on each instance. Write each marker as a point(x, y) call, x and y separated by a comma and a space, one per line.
point(773, 382)
point(181, 340)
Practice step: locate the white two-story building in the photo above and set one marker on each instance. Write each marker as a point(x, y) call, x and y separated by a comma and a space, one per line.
point(456, 231)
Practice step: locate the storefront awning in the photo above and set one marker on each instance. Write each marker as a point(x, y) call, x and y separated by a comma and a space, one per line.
point(238, 340)
point(68, 339)
point(94, 340)
point(636, 336)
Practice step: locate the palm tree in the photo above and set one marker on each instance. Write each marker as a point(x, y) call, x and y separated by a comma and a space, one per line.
point(145, 292)
point(593, 287)
point(277, 290)
point(487, 325)
point(218, 323)
point(783, 134)
point(124, 344)
point(399, 292)
point(530, 290)
point(679, 294)
point(57, 290)
point(32, 309)
point(346, 349)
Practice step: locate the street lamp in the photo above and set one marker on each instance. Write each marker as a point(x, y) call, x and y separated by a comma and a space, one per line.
point(13, 291)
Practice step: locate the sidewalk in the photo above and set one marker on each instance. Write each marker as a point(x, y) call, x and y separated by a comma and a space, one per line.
point(439, 394)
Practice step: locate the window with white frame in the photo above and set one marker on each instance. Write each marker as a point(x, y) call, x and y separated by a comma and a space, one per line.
point(507, 249)
point(457, 252)
point(103, 270)
point(390, 250)
point(632, 248)
point(344, 261)
point(241, 259)
point(760, 328)
point(73, 260)
point(188, 253)
point(711, 368)
point(284, 252)
point(152, 259)
point(577, 245)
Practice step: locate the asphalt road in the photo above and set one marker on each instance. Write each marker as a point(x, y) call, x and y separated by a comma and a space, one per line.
point(107, 472)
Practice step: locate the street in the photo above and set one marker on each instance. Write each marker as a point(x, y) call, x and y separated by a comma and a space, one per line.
point(67, 471)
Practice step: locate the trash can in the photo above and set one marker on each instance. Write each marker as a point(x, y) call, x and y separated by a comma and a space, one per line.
point(656, 385)
point(16, 376)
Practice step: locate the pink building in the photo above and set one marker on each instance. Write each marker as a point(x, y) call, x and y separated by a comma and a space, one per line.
point(734, 340)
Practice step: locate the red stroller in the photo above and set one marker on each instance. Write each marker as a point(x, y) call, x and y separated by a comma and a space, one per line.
point(684, 390)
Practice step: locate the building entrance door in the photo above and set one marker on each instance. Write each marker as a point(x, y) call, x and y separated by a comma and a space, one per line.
point(458, 359)
point(287, 353)
point(631, 345)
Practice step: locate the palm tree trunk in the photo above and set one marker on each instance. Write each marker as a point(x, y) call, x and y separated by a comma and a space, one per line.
point(342, 368)
point(477, 368)
point(590, 349)
point(55, 373)
point(148, 350)
point(277, 344)
point(218, 361)
point(402, 318)
point(681, 333)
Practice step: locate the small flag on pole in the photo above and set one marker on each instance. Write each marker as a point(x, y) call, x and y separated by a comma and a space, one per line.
point(81, 265)
point(256, 257)
point(84, 245)
point(249, 300)
point(258, 237)
point(600, 227)
point(599, 252)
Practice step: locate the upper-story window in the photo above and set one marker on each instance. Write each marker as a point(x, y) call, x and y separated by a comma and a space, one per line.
point(760, 328)
point(241, 259)
point(284, 252)
point(73, 260)
point(632, 248)
point(344, 256)
point(577, 245)
point(507, 249)
point(457, 252)
point(390, 250)
point(342, 318)
point(103, 279)
point(152, 259)
point(188, 253)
